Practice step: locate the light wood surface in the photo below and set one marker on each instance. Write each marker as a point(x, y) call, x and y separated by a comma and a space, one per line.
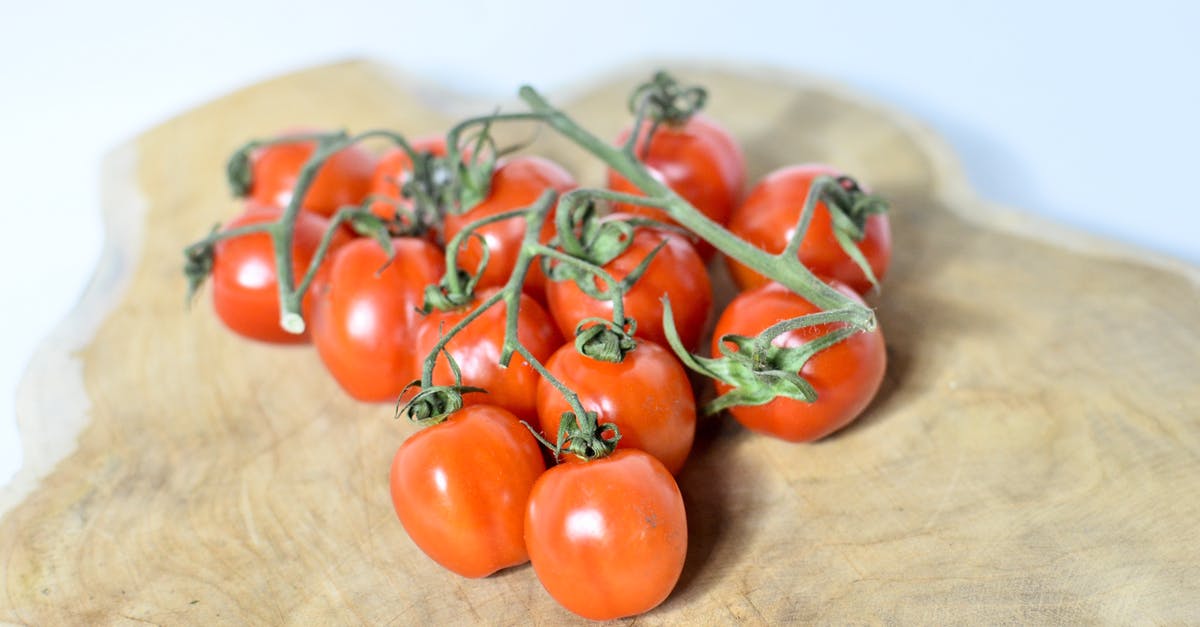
point(1033, 456)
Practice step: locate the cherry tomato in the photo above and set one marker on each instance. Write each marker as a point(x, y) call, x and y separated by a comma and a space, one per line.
point(476, 351)
point(460, 489)
point(245, 287)
point(364, 321)
point(699, 160)
point(393, 171)
point(845, 375)
point(607, 538)
point(647, 396)
point(515, 184)
point(344, 179)
point(768, 219)
point(677, 271)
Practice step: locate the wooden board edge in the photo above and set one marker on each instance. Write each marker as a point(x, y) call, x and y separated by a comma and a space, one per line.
point(52, 404)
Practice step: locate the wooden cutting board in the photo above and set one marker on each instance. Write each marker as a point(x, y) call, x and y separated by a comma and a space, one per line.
point(1033, 456)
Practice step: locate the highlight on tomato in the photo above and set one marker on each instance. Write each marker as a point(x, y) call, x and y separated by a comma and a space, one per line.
point(607, 538)
point(460, 489)
point(366, 313)
point(245, 287)
point(769, 216)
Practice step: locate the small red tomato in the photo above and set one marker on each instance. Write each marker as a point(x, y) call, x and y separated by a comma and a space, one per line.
point(393, 171)
point(607, 538)
point(769, 217)
point(460, 489)
point(476, 351)
point(845, 375)
point(515, 184)
point(364, 321)
point(677, 271)
point(344, 179)
point(245, 287)
point(698, 159)
point(647, 396)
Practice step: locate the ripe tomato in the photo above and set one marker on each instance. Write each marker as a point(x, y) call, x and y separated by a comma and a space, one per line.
point(515, 184)
point(607, 538)
point(476, 350)
point(364, 320)
point(245, 287)
point(845, 375)
point(460, 489)
point(768, 219)
point(393, 171)
point(677, 271)
point(699, 160)
point(647, 395)
point(344, 179)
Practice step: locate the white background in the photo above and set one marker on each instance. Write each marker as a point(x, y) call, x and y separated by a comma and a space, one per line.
point(1085, 112)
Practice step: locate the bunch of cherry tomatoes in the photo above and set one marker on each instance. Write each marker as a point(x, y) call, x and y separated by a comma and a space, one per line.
point(526, 320)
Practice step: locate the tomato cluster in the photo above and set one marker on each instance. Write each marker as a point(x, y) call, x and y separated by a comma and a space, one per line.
point(545, 315)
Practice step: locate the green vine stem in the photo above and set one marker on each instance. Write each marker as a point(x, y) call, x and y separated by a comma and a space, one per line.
point(787, 271)
point(239, 171)
point(579, 432)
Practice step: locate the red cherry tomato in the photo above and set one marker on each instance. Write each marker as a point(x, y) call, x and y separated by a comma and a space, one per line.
point(476, 351)
point(699, 160)
point(768, 219)
point(245, 287)
point(364, 321)
point(515, 184)
point(607, 538)
point(393, 171)
point(845, 375)
point(647, 395)
point(344, 179)
point(677, 271)
point(460, 489)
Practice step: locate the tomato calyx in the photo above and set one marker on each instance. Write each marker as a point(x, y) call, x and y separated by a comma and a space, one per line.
point(604, 340)
point(849, 207)
point(580, 434)
point(758, 371)
point(663, 100)
point(433, 404)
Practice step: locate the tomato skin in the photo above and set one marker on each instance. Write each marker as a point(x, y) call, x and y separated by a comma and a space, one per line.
point(768, 219)
point(677, 271)
point(460, 489)
point(647, 395)
point(364, 321)
point(344, 179)
point(846, 375)
point(245, 287)
point(476, 350)
point(607, 538)
point(392, 171)
point(516, 183)
point(699, 160)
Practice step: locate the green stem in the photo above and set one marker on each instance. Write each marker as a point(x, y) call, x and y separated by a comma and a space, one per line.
point(535, 217)
point(614, 289)
point(431, 358)
point(789, 272)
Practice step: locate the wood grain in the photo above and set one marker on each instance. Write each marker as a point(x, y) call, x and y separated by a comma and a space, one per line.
point(1034, 455)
